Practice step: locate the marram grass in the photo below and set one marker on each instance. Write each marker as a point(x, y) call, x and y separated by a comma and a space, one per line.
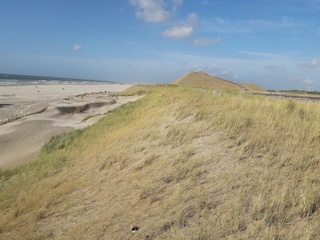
point(180, 163)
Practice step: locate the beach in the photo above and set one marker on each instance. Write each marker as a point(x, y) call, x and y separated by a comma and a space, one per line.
point(31, 114)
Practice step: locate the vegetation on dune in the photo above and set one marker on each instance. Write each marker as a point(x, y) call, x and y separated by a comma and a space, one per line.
point(139, 90)
point(60, 141)
point(180, 163)
point(201, 79)
point(253, 87)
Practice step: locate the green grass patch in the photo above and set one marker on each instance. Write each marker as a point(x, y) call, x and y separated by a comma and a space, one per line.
point(60, 141)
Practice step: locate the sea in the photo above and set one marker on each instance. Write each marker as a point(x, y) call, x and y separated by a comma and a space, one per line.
point(13, 79)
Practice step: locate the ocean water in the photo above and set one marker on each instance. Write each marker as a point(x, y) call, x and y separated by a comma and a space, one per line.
point(12, 80)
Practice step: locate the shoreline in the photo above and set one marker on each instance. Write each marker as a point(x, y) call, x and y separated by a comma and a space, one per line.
point(64, 108)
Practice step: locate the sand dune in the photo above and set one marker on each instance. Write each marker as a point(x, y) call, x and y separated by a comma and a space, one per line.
point(201, 79)
point(47, 110)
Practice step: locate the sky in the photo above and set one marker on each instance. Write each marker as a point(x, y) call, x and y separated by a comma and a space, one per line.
point(272, 43)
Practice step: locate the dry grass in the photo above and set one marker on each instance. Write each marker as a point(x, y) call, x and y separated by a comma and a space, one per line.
point(201, 79)
point(253, 87)
point(180, 163)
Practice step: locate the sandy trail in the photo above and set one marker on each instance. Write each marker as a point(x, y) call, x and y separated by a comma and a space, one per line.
point(67, 106)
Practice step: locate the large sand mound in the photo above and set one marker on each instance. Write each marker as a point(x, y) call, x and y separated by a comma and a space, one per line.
point(201, 79)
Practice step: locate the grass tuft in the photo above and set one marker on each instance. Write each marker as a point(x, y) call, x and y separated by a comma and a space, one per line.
point(60, 141)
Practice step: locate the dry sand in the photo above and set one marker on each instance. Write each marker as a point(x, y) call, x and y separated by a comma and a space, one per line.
point(64, 110)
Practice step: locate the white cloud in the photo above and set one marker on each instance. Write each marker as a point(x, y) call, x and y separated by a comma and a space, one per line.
point(176, 4)
point(206, 41)
point(216, 2)
point(76, 47)
point(258, 55)
point(181, 32)
point(151, 10)
point(235, 76)
point(192, 19)
point(312, 64)
point(226, 72)
point(308, 81)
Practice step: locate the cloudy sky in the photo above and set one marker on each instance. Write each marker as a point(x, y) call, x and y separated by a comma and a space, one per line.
point(272, 43)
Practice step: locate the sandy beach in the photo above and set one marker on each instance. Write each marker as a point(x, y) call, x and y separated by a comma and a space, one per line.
point(30, 115)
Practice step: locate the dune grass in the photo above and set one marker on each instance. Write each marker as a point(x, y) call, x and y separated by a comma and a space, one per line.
point(253, 87)
point(201, 79)
point(181, 163)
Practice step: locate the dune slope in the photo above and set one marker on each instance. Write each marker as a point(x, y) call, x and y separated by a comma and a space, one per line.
point(201, 79)
point(179, 163)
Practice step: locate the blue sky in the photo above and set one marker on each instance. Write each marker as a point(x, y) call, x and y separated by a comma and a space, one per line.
point(272, 43)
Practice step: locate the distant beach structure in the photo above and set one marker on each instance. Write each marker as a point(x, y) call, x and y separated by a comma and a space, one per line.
point(16, 111)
